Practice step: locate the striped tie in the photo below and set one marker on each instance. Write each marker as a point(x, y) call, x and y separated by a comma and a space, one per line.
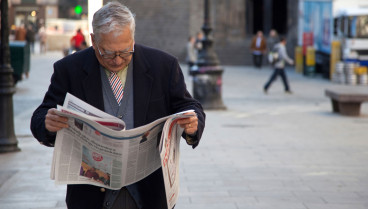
point(116, 86)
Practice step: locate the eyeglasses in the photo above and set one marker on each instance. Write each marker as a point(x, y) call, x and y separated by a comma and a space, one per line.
point(112, 55)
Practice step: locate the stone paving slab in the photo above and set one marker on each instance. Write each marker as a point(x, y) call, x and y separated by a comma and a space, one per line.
point(265, 151)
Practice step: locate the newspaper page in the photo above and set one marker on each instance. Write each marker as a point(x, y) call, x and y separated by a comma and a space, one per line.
point(72, 103)
point(169, 152)
point(96, 149)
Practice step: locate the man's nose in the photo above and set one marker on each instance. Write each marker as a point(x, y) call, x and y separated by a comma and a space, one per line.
point(118, 60)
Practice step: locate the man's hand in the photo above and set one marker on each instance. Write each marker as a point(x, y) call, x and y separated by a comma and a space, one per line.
point(54, 122)
point(190, 125)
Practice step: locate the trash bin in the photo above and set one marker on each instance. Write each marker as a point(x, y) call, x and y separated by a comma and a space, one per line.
point(310, 61)
point(207, 86)
point(299, 59)
point(19, 59)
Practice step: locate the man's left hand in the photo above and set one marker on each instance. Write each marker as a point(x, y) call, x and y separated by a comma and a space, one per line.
point(190, 124)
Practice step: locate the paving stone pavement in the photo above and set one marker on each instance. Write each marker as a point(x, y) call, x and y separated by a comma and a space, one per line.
point(274, 151)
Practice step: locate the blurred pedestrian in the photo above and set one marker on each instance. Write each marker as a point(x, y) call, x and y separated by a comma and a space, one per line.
point(30, 37)
point(272, 39)
point(191, 52)
point(279, 67)
point(20, 33)
point(198, 41)
point(43, 39)
point(29, 47)
point(83, 45)
point(77, 40)
point(258, 47)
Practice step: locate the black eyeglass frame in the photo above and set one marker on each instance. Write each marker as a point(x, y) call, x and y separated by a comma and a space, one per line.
point(113, 55)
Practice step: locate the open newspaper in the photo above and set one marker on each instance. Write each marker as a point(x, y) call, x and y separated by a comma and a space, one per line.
point(96, 149)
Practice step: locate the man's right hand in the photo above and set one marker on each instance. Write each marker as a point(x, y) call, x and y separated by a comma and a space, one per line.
point(54, 122)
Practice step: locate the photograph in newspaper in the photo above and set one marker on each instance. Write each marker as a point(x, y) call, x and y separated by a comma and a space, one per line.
point(95, 166)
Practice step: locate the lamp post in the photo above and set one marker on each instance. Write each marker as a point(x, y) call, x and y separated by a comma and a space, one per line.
point(207, 73)
point(8, 141)
point(207, 56)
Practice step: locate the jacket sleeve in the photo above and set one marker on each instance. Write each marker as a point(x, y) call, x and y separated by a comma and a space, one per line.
point(54, 96)
point(181, 100)
point(284, 55)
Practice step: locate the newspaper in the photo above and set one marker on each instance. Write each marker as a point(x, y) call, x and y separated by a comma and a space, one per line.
point(96, 149)
point(169, 153)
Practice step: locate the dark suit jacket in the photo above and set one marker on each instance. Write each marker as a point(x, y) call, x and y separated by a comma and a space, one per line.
point(159, 90)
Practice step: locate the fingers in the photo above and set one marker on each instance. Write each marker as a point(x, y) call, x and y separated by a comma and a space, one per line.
point(54, 122)
point(191, 128)
point(190, 125)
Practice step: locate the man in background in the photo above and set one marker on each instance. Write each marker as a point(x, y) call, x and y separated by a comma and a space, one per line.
point(279, 68)
point(258, 47)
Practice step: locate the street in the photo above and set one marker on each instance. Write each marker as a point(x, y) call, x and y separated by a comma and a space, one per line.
point(274, 151)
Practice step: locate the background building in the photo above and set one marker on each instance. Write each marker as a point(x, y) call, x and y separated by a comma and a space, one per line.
point(38, 11)
point(167, 24)
point(61, 19)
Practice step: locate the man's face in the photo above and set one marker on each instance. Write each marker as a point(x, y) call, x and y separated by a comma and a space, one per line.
point(110, 44)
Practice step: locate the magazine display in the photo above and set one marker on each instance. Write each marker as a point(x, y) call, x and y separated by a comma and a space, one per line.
point(96, 149)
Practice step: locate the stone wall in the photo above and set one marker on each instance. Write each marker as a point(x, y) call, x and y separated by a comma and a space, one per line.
point(167, 24)
point(162, 24)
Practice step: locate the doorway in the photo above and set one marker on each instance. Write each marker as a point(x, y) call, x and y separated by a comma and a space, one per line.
point(258, 16)
point(279, 16)
point(265, 15)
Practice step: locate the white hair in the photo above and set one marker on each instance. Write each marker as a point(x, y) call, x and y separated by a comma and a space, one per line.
point(112, 17)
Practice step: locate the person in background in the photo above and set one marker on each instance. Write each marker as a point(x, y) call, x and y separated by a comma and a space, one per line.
point(198, 41)
point(191, 52)
point(77, 40)
point(20, 33)
point(152, 86)
point(43, 39)
point(258, 48)
point(272, 39)
point(279, 68)
point(30, 37)
point(83, 45)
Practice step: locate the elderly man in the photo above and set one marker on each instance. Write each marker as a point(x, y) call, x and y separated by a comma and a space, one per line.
point(150, 86)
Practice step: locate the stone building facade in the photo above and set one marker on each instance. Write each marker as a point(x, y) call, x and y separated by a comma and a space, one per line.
point(167, 24)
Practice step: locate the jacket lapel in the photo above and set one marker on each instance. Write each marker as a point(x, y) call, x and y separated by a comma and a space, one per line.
point(142, 86)
point(92, 85)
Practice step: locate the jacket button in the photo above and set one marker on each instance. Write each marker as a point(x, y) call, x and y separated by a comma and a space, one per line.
point(107, 203)
point(102, 189)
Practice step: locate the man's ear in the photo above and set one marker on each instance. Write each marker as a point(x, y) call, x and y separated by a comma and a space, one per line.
point(93, 40)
